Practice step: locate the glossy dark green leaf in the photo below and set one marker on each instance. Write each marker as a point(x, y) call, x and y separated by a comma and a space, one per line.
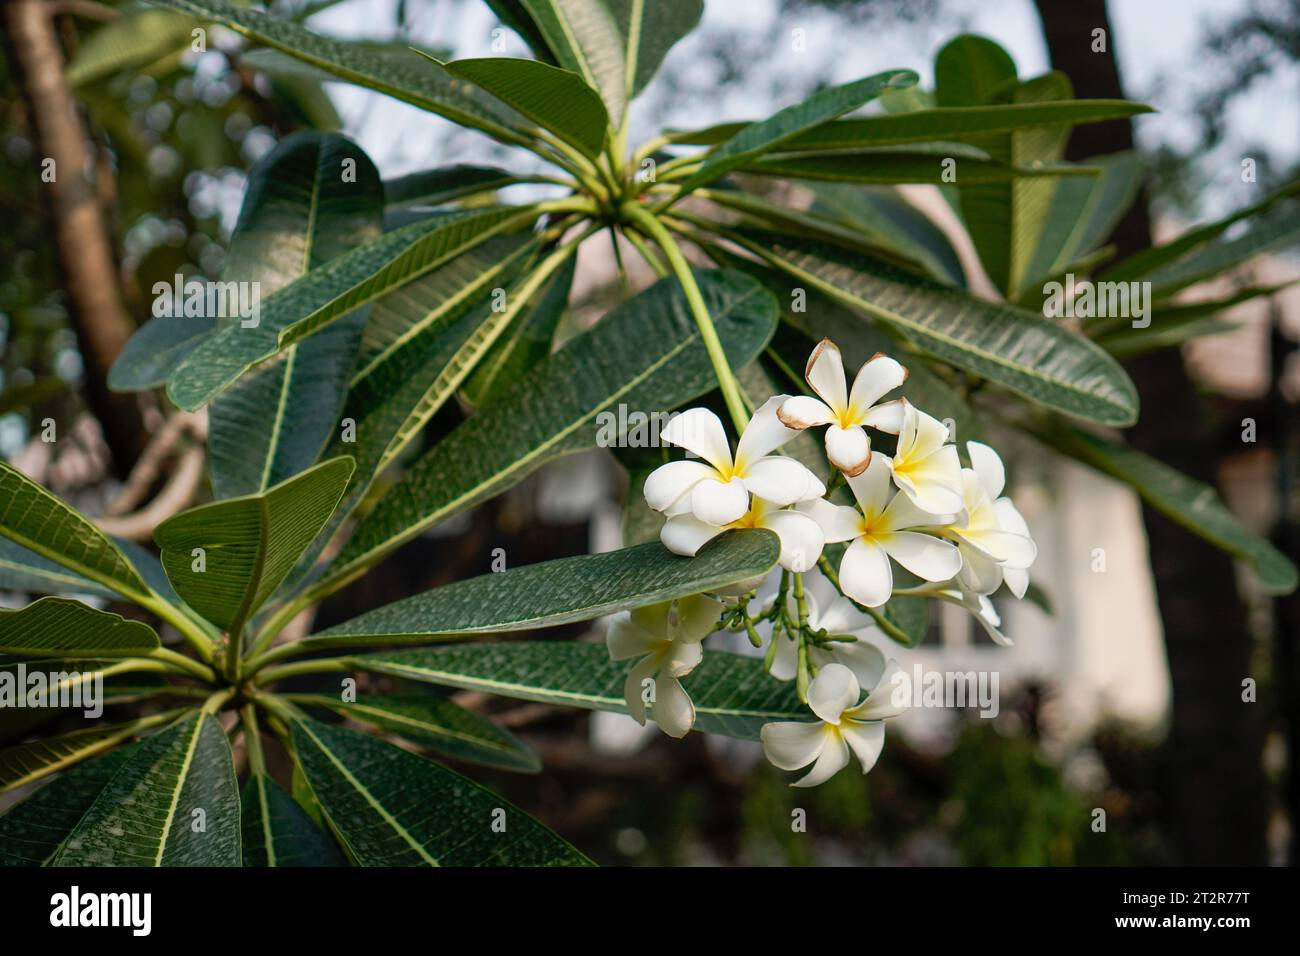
point(276, 831)
point(732, 694)
point(37, 759)
point(647, 354)
point(1014, 348)
point(136, 39)
point(766, 135)
point(557, 592)
point(401, 74)
point(558, 100)
point(174, 802)
point(156, 348)
point(330, 292)
point(57, 627)
point(584, 38)
point(1194, 505)
point(928, 125)
point(300, 211)
point(436, 723)
point(650, 28)
point(249, 544)
point(933, 163)
point(390, 807)
point(22, 569)
point(434, 187)
point(33, 831)
point(35, 519)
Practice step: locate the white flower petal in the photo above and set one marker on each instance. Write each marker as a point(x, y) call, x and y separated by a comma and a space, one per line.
point(804, 411)
point(764, 433)
point(924, 555)
point(922, 436)
point(979, 573)
point(682, 658)
point(880, 704)
point(785, 663)
point(671, 482)
point(1012, 550)
point(874, 380)
point(633, 686)
point(627, 639)
point(838, 522)
point(791, 744)
point(866, 740)
point(841, 616)
point(871, 488)
point(1017, 580)
point(700, 431)
point(903, 513)
point(833, 759)
point(834, 690)
point(934, 484)
point(697, 617)
point(887, 417)
point(849, 449)
point(778, 479)
point(865, 575)
point(686, 534)
point(714, 502)
point(825, 373)
point(863, 658)
point(801, 539)
point(988, 468)
point(672, 710)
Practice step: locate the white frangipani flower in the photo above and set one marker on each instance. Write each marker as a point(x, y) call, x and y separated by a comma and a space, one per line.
point(667, 638)
point(716, 490)
point(883, 529)
point(994, 541)
point(844, 725)
point(845, 411)
point(980, 608)
point(830, 611)
point(801, 537)
point(924, 465)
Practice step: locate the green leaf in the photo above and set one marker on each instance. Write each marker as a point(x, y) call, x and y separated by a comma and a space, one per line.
point(928, 125)
point(1013, 348)
point(650, 28)
point(276, 831)
point(646, 354)
point(32, 761)
point(971, 70)
point(154, 351)
point(1194, 505)
point(397, 73)
point(34, 518)
point(732, 694)
point(1277, 228)
point(527, 341)
point(557, 592)
point(906, 164)
point(436, 187)
point(33, 831)
point(555, 99)
point(327, 294)
point(24, 570)
point(1157, 257)
point(250, 544)
point(766, 135)
point(390, 807)
point(437, 723)
point(891, 221)
point(585, 39)
point(299, 213)
point(146, 814)
point(134, 40)
point(513, 14)
point(57, 627)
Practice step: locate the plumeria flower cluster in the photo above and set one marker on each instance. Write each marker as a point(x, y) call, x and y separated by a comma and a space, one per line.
point(919, 508)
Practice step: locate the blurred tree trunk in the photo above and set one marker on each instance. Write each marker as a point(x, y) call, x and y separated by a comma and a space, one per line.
point(77, 221)
point(1216, 785)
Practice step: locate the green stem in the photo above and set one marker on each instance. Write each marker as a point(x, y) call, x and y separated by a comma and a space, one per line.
point(646, 252)
point(217, 701)
point(182, 663)
point(717, 355)
point(253, 739)
point(326, 666)
point(189, 629)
